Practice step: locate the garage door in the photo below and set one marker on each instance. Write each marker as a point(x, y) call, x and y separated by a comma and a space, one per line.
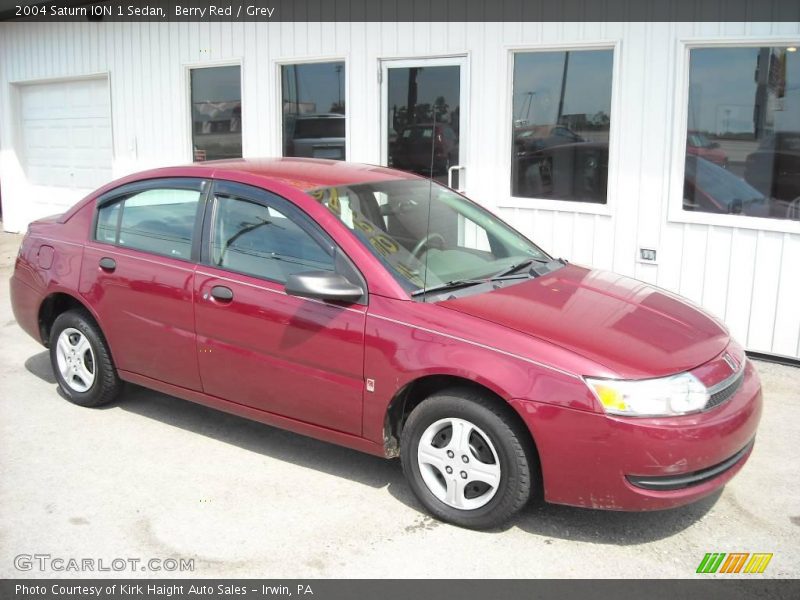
point(66, 133)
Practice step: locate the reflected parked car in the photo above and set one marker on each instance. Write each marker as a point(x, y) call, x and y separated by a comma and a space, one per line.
point(578, 172)
point(411, 150)
point(710, 188)
point(318, 136)
point(537, 137)
point(774, 169)
point(344, 302)
point(699, 144)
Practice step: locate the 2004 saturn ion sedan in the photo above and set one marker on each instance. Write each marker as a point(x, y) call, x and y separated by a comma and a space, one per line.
point(381, 311)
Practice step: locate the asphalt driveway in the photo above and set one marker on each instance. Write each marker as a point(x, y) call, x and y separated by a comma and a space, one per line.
point(157, 477)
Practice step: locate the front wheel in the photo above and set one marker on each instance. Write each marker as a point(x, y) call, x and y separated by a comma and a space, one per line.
point(467, 460)
point(81, 360)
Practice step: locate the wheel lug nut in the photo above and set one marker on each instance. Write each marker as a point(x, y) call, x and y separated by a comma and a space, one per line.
point(450, 454)
point(465, 458)
point(449, 470)
point(463, 474)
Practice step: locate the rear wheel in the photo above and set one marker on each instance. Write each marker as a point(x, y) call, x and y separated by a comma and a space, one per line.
point(81, 361)
point(467, 460)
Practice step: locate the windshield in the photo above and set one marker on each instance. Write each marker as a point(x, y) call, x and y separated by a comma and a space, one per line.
point(464, 241)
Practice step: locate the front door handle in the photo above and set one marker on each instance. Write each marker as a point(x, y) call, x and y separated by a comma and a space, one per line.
point(222, 293)
point(108, 264)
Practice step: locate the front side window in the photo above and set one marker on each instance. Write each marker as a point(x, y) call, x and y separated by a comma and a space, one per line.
point(216, 113)
point(314, 110)
point(158, 220)
point(261, 241)
point(425, 234)
point(743, 132)
point(561, 122)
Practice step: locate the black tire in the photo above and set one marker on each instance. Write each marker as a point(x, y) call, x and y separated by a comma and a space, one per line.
point(106, 384)
point(517, 459)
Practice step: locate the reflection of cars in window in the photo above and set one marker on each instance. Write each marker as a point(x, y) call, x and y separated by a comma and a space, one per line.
point(530, 139)
point(217, 130)
point(317, 136)
point(578, 172)
point(382, 311)
point(774, 169)
point(411, 150)
point(710, 188)
point(698, 144)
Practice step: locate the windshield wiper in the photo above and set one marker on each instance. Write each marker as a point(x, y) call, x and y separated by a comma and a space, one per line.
point(518, 266)
point(465, 282)
point(448, 285)
point(504, 275)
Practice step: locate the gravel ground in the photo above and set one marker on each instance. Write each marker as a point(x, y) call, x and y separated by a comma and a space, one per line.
point(156, 477)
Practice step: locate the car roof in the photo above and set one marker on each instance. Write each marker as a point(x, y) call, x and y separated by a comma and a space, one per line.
point(304, 173)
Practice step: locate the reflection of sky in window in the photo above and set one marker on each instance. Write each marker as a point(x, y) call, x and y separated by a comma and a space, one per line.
point(315, 83)
point(538, 76)
point(722, 91)
point(432, 82)
point(216, 84)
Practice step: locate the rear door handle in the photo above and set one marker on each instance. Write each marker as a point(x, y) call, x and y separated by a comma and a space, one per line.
point(108, 264)
point(222, 293)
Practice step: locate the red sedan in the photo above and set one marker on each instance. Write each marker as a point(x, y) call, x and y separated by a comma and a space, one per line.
point(384, 312)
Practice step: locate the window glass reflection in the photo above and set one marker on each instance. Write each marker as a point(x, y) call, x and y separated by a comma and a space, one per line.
point(314, 110)
point(743, 135)
point(424, 106)
point(561, 121)
point(216, 113)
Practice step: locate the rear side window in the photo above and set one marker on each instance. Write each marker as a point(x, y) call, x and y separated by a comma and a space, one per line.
point(157, 220)
point(262, 241)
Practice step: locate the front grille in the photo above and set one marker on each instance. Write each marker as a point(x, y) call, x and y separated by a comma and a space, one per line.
point(726, 392)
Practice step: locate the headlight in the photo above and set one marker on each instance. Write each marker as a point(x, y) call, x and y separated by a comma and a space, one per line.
point(674, 395)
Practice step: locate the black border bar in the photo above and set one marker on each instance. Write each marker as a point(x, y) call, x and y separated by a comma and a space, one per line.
point(707, 587)
point(408, 10)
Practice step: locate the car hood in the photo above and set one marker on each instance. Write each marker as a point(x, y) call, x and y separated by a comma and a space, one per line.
point(631, 328)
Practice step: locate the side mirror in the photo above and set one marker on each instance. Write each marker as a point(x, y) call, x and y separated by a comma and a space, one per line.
point(322, 285)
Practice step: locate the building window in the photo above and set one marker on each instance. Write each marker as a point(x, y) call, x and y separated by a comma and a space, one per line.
point(314, 110)
point(216, 113)
point(743, 132)
point(560, 123)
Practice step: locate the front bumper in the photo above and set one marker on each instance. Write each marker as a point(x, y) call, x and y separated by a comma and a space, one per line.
point(601, 461)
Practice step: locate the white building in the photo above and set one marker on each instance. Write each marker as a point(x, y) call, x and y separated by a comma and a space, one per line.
point(576, 133)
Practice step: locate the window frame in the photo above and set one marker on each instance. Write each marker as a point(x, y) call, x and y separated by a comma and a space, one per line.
point(188, 67)
point(277, 66)
point(675, 177)
point(269, 199)
point(129, 190)
point(508, 200)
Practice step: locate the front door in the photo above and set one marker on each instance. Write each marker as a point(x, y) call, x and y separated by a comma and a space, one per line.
point(424, 116)
point(257, 345)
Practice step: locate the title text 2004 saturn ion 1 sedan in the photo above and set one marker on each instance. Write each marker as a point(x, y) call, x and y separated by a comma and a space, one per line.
point(381, 311)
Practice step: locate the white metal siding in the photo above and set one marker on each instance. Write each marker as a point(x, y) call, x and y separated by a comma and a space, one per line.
point(745, 276)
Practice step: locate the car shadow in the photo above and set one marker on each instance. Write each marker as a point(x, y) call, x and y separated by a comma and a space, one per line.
point(545, 520)
point(610, 527)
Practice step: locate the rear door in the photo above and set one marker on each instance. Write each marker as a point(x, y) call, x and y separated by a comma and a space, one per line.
point(258, 346)
point(137, 273)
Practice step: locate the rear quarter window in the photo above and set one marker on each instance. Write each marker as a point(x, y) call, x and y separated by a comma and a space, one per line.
point(160, 221)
